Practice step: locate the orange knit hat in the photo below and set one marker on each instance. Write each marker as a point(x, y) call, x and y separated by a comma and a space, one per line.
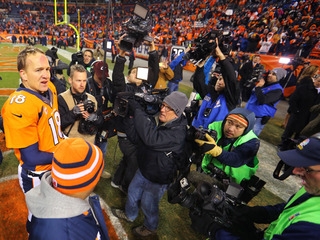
point(77, 166)
point(239, 118)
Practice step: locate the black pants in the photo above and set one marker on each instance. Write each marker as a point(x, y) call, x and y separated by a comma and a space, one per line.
point(128, 164)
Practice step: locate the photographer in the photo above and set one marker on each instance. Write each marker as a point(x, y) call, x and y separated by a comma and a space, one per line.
point(101, 87)
point(234, 151)
point(57, 67)
point(78, 109)
point(219, 94)
point(84, 58)
point(299, 217)
point(250, 73)
point(161, 140)
point(128, 165)
point(265, 97)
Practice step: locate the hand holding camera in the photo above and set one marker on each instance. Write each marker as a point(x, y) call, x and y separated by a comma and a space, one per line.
point(209, 146)
point(77, 110)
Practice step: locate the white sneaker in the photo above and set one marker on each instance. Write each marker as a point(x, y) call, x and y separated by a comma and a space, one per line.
point(114, 185)
point(105, 174)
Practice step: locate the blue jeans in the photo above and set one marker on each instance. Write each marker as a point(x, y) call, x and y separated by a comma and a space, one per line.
point(172, 87)
point(147, 194)
point(102, 146)
point(258, 127)
point(225, 235)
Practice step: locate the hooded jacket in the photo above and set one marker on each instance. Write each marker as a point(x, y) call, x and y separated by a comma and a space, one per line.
point(239, 156)
point(58, 216)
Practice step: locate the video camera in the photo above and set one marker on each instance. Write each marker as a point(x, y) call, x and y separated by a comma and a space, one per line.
point(257, 74)
point(209, 203)
point(77, 58)
point(137, 29)
point(150, 101)
point(205, 45)
point(206, 198)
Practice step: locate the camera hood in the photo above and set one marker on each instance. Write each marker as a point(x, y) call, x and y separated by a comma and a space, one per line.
point(127, 43)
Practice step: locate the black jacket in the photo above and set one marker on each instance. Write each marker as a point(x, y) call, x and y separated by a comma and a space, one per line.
point(231, 91)
point(302, 99)
point(160, 147)
point(120, 85)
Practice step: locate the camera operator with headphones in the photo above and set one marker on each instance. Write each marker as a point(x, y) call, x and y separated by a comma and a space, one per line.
point(101, 87)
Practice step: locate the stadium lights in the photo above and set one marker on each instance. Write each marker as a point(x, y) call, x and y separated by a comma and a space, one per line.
point(284, 60)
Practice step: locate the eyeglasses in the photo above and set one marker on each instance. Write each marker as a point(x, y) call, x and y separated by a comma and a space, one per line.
point(166, 108)
point(309, 170)
point(316, 76)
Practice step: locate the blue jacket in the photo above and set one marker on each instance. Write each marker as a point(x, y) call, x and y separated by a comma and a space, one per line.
point(262, 104)
point(58, 216)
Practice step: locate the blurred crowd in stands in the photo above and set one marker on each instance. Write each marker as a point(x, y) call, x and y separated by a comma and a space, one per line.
point(265, 26)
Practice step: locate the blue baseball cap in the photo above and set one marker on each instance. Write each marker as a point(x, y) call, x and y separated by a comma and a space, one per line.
point(307, 153)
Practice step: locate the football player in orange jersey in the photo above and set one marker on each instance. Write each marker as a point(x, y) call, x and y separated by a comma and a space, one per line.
point(31, 118)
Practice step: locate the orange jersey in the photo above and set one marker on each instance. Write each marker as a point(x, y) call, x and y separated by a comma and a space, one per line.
point(30, 118)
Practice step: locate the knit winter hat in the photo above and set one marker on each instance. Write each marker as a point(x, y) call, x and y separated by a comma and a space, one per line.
point(77, 166)
point(238, 117)
point(280, 73)
point(98, 68)
point(177, 101)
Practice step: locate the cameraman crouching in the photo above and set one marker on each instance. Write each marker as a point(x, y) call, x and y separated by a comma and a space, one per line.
point(160, 146)
point(233, 152)
point(236, 147)
point(77, 108)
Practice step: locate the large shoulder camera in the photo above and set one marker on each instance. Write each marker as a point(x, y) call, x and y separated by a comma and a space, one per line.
point(257, 74)
point(77, 58)
point(206, 44)
point(149, 101)
point(218, 205)
point(206, 198)
point(137, 29)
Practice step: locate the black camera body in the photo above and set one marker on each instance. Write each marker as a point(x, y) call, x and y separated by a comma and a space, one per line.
point(205, 45)
point(207, 198)
point(88, 105)
point(198, 133)
point(77, 57)
point(149, 101)
point(257, 74)
point(137, 29)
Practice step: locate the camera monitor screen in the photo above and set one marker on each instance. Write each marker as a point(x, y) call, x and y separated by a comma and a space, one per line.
point(142, 73)
point(140, 11)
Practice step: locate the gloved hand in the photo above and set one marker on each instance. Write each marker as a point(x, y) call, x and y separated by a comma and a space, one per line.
point(204, 223)
point(133, 105)
point(76, 110)
point(92, 117)
point(209, 147)
point(256, 214)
